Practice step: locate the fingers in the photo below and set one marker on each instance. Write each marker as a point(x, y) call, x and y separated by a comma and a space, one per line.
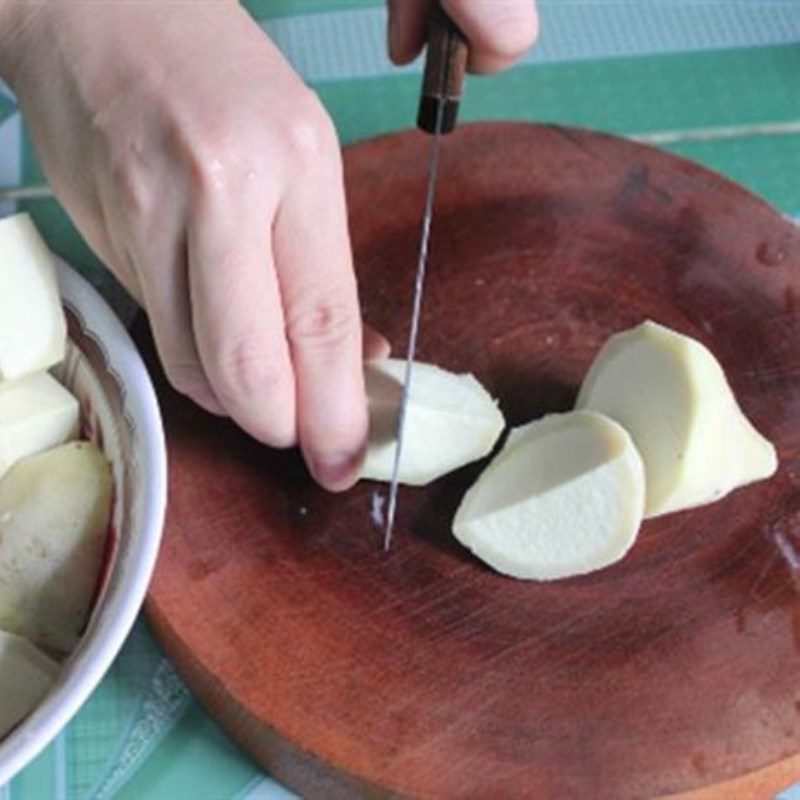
point(101, 239)
point(408, 21)
point(237, 315)
point(499, 31)
point(147, 254)
point(376, 346)
point(312, 252)
point(166, 296)
point(111, 241)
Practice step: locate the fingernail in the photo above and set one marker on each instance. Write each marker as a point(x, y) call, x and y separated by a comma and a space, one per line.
point(338, 471)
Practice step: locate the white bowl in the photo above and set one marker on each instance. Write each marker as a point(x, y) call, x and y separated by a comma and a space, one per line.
point(120, 413)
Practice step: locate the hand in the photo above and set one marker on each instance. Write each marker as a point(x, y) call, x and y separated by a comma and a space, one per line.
point(208, 178)
point(499, 31)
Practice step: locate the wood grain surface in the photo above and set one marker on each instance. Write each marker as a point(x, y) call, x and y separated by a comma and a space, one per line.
point(347, 672)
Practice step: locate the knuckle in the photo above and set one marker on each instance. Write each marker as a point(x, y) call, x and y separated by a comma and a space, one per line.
point(329, 324)
point(258, 390)
point(210, 165)
point(210, 156)
point(245, 374)
point(310, 134)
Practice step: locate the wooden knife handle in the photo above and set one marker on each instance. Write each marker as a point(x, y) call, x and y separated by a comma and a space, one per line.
point(445, 68)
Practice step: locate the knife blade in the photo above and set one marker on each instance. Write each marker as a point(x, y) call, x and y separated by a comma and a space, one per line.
point(442, 87)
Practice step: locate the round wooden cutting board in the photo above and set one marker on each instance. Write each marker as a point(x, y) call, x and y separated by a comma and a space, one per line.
point(347, 672)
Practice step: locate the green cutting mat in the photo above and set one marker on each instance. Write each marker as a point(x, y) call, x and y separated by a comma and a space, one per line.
point(717, 81)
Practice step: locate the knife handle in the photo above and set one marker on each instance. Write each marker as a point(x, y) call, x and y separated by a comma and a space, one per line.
point(443, 78)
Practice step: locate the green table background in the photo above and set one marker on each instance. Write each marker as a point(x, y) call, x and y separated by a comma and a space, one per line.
point(718, 82)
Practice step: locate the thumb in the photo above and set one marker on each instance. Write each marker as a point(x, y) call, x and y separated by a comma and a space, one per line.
point(499, 31)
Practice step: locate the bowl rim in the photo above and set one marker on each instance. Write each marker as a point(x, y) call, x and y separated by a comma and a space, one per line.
point(84, 670)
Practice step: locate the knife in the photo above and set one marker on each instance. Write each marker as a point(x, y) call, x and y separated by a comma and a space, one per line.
point(442, 85)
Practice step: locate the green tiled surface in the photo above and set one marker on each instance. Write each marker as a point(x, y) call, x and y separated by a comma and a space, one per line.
point(627, 96)
point(769, 165)
point(141, 735)
point(273, 9)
